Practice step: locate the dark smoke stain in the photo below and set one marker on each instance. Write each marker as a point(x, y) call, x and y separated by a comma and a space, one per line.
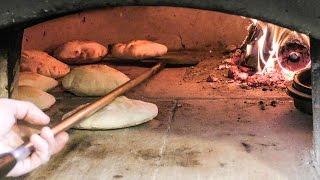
point(262, 105)
point(222, 164)
point(247, 147)
point(148, 154)
point(251, 134)
point(182, 156)
point(117, 176)
point(267, 144)
point(79, 143)
point(99, 151)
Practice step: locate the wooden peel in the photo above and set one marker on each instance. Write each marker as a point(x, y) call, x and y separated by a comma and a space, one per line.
point(8, 160)
point(184, 58)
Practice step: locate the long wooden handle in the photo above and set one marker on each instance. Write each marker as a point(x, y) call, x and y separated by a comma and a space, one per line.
point(102, 102)
point(7, 161)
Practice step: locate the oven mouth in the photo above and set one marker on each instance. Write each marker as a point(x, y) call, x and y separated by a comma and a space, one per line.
point(200, 93)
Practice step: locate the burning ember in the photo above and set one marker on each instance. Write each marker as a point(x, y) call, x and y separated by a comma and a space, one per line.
point(269, 56)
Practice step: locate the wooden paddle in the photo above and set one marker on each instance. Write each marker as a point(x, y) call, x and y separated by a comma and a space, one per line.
point(8, 160)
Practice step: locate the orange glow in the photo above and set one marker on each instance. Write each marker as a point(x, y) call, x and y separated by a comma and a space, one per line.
point(272, 38)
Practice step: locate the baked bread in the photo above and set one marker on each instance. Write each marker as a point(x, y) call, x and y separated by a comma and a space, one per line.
point(38, 97)
point(138, 49)
point(93, 80)
point(121, 113)
point(42, 63)
point(37, 81)
point(80, 52)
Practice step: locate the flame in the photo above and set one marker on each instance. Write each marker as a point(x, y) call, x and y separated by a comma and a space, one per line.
point(254, 21)
point(271, 39)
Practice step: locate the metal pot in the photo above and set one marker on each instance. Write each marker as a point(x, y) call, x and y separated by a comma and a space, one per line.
point(301, 92)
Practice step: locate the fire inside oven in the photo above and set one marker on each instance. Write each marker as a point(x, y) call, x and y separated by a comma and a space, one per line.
point(220, 107)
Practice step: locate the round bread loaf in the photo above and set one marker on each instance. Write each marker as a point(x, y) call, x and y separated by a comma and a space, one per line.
point(38, 97)
point(138, 49)
point(93, 80)
point(121, 113)
point(37, 81)
point(42, 63)
point(80, 52)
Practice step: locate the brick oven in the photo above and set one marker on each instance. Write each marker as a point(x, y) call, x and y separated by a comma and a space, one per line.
point(211, 125)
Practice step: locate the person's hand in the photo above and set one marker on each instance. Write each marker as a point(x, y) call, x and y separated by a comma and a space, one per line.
point(45, 144)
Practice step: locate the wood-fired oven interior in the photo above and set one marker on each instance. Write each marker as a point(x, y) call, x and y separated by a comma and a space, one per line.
point(211, 124)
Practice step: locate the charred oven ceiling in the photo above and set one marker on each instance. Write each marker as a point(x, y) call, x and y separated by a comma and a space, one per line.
point(299, 15)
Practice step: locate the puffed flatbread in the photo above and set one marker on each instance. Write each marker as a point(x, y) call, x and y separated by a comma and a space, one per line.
point(38, 97)
point(122, 112)
point(138, 49)
point(37, 81)
point(80, 52)
point(42, 63)
point(93, 80)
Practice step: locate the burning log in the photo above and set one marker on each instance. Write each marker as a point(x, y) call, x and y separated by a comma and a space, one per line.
point(253, 33)
point(282, 48)
point(269, 56)
point(294, 55)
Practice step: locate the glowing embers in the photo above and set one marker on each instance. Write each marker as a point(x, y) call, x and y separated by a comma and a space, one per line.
point(269, 56)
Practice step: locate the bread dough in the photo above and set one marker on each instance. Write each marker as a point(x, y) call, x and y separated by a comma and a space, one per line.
point(138, 49)
point(80, 52)
point(93, 80)
point(38, 97)
point(42, 63)
point(122, 112)
point(36, 80)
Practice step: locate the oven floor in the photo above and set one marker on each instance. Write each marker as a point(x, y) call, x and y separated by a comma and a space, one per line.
point(203, 131)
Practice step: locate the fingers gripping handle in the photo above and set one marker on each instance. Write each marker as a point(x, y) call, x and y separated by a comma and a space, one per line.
point(9, 160)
